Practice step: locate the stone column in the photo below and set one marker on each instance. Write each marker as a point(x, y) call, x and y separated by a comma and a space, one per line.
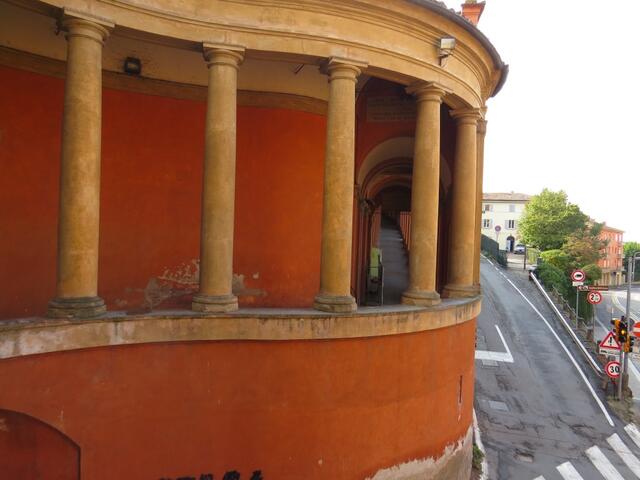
point(79, 201)
point(463, 217)
point(337, 215)
point(482, 130)
point(425, 191)
point(219, 181)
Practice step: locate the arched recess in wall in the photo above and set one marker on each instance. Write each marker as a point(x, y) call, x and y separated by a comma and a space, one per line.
point(390, 165)
point(30, 449)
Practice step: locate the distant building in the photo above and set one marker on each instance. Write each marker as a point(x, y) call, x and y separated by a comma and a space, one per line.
point(611, 262)
point(503, 210)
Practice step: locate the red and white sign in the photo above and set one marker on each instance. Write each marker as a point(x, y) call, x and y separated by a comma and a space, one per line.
point(583, 288)
point(636, 329)
point(612, 369)
point(578, 275)
point(594, 297)
point(609, 345)
point(498, 228)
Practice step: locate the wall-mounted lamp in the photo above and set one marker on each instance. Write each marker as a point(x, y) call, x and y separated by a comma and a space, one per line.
point(132, 66)
point(445, 49)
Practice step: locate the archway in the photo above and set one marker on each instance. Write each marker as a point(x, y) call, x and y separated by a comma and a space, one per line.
point(511, 242)
point(30, 448)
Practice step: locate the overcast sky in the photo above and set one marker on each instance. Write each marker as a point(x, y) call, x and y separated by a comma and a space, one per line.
point(568, 117)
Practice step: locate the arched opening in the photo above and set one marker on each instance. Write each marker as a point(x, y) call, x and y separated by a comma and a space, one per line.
point(511, 242)
point(30, 448)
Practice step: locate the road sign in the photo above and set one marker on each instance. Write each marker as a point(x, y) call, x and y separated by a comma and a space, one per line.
point(609, 345)
point(636, 330)
point(577, 284)
point(601, 288)
point(583, 288)
point(594, 297)
point(612, 369)
point(498, 228)
point(578, 275)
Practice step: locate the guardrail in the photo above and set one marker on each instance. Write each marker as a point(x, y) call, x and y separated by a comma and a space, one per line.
point(592, 363)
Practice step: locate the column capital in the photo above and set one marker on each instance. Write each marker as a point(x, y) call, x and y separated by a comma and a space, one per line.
point(427, 91)
point(482, 126)
point(343, 68)
point(81, 24)
point(467, 115)
point(223, 54)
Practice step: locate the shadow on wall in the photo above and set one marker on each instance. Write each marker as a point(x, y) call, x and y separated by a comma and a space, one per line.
point(32, 449)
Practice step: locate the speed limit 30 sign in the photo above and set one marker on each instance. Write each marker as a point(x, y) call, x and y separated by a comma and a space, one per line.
point(612, 369)
point(594, 298)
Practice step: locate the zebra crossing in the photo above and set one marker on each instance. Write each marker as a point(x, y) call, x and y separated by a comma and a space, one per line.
point(617, 464)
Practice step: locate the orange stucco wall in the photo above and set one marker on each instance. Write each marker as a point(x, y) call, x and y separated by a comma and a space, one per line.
point(30, 449)
point(152, 150)
point(332, 409)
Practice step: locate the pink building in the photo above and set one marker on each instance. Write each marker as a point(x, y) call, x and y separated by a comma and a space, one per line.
point(611, 262)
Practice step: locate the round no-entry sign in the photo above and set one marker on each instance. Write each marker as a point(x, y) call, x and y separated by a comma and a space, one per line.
point(612, 369)
point(578, 276)
point(498, 228)
point(594, 298)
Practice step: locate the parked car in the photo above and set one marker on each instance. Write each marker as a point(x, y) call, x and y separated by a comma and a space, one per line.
point(519, 249)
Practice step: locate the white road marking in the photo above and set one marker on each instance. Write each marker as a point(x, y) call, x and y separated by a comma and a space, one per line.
point(616, 302)
point(603, 464)
point(634, 433)
point(566, 350)
point(625, 454)
point(567, 472)
point(539, 478)
point(496, 356)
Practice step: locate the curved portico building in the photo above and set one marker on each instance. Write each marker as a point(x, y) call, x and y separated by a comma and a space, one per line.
point(199, 198)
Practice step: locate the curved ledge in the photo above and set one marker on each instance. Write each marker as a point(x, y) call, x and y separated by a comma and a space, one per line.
point(32, 336)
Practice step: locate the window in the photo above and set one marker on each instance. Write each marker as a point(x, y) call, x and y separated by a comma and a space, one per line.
point(487, 207)
point(511, 224)
point(512, 208)
point(486, 223)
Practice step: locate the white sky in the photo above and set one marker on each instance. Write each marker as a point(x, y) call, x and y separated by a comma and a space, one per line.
point(569, 115)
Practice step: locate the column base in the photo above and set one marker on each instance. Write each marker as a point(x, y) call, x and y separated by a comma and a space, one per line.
point(76, 307)
point(335, 303)
point(214, 303)
point(460, 291)
point(421, 298)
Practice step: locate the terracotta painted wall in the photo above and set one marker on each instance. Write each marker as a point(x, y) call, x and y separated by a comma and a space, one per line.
point(150, 201)
point(301, 409)
point(30, 449)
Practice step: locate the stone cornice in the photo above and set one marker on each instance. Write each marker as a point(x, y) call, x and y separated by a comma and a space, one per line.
point(403, 65)
point(38, 335)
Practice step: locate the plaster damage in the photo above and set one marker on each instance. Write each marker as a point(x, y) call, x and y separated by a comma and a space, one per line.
point(175, 287)
point(454, 464)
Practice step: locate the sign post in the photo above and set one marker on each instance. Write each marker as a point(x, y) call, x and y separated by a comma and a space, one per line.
point(577, 276)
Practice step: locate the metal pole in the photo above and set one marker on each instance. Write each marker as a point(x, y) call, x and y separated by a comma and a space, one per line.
point(630, 269)
point(577, 299)
point(525, 258)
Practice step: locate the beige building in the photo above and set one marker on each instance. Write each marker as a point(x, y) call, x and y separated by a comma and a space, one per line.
point(503, 210)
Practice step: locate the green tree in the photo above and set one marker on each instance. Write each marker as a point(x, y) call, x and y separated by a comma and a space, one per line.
point(585, 246)
point(593, 273)
point(557, 258)
point(549, 219)
point(629, 249)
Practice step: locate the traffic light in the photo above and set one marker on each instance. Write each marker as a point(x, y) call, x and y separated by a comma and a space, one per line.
point(622, 332)
point(616, 328)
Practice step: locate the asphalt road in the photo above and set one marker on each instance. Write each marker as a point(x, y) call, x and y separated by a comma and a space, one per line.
point(539, 405)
